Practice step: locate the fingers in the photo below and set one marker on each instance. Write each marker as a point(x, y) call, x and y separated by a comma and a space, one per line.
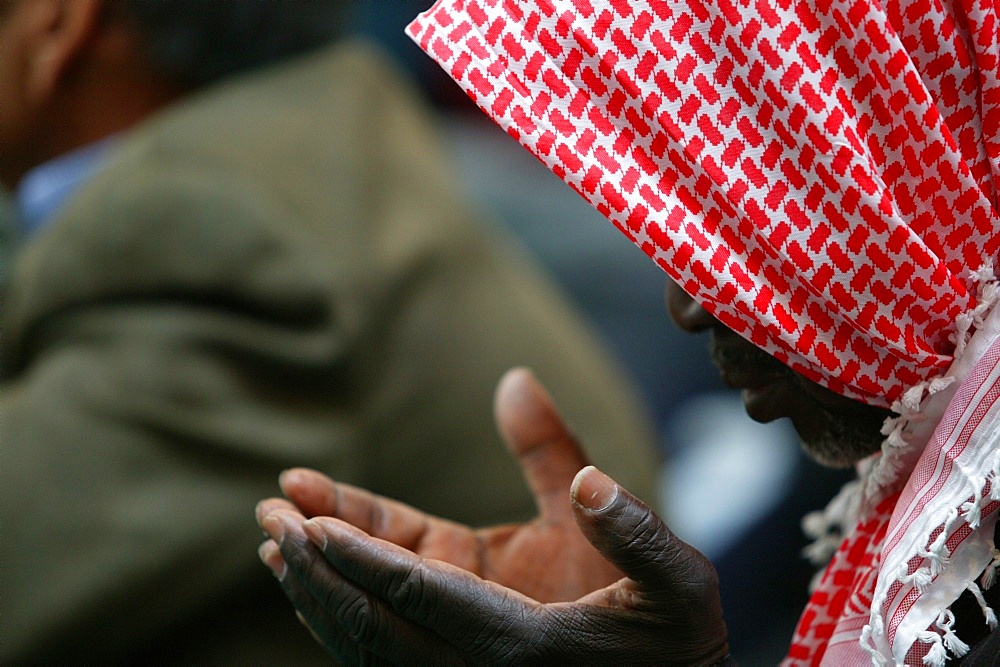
point(666, 576)
point(537, 436)
point(315, 494)
point(353, 626)
point(629, 534)
point(283, 527)
point(269, 505)
point(468, 613)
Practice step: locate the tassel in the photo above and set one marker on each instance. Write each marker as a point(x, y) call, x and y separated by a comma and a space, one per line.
point(913, 396)
point(946, 622)
point(989, 574)
point(988, 613)
point(962, 323)
point(894, 438)
point(972, 511)
point(816, 524)
point(994, 487)
point(886, 468)
point(994, 476)
point(987, 294)
point(920, 579)
point(938, 560)
point(957, 647)
point(937, 656)
point(937, 552)
point(820, 551)
point(986, 298)
point(939, 383)
point(889, 425)
point(868, 644)
point(826, 527)
point(984, 274)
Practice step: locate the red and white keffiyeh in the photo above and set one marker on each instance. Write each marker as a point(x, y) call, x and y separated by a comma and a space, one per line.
point(823, 178)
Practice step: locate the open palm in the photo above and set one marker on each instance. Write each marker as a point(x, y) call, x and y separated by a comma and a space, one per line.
point(379, 582)
point(529, 557)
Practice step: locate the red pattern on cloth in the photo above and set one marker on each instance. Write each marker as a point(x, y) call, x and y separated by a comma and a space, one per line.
point(823, 178)
point(848, 584)
point(791, 169)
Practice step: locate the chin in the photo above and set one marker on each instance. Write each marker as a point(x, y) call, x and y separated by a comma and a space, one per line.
point(840, 445)
point(828, 458)
point(835, 431)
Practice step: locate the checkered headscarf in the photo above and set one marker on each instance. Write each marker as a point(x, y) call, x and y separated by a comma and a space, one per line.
point(823, 178)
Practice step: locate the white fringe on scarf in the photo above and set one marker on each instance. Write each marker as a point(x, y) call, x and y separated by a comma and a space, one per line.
point(919, 411)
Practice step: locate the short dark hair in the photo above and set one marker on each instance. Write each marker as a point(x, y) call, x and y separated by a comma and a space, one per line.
point(196, 42)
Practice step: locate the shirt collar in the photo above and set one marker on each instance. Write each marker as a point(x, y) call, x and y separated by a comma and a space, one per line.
point(47, 187)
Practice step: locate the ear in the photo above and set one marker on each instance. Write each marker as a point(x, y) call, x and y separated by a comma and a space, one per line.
point(61, 30)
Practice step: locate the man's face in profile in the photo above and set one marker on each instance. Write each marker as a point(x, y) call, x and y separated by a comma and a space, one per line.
point(834, 430)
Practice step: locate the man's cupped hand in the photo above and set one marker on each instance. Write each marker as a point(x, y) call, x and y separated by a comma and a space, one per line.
point(596, 577)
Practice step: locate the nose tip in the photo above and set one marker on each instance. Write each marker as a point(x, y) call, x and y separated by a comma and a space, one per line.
point(686, 312)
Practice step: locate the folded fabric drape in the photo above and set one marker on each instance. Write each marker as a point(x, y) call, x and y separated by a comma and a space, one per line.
point(817, 185)
point(823, 178)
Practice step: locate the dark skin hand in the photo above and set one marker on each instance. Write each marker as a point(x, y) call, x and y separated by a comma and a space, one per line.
point(598, 579)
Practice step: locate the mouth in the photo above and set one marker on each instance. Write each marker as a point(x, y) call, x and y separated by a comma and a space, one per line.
point(834, 430)
point(765, 381)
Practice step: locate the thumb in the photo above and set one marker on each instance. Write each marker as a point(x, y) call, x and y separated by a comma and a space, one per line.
point(631, 536)
point(670, 581)
point(537, 436)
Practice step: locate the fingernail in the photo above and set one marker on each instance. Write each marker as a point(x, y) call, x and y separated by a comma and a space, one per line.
point(315, 532)
point(274, 528)
point(270, 555)
point(593, 489)
point(259, 513)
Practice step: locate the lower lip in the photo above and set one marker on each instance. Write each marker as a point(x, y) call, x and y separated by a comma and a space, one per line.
point(766, 403)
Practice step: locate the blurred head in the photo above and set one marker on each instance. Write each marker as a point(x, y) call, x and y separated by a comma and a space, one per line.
point(834, 430)
point(75, 71)
point(195, 42)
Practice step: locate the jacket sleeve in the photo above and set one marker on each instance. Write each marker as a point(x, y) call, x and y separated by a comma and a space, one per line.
point(155, 394)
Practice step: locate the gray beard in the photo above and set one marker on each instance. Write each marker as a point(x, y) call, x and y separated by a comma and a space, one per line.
point(844, 440)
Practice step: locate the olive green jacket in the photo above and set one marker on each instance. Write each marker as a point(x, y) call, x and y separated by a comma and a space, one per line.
point(275, 272)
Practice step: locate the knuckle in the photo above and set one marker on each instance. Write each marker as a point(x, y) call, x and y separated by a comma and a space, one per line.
point(359, 621)
point(514, 636)
point(647, 544)
point(409, 596)
point(362, 625)
point(644, 534)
